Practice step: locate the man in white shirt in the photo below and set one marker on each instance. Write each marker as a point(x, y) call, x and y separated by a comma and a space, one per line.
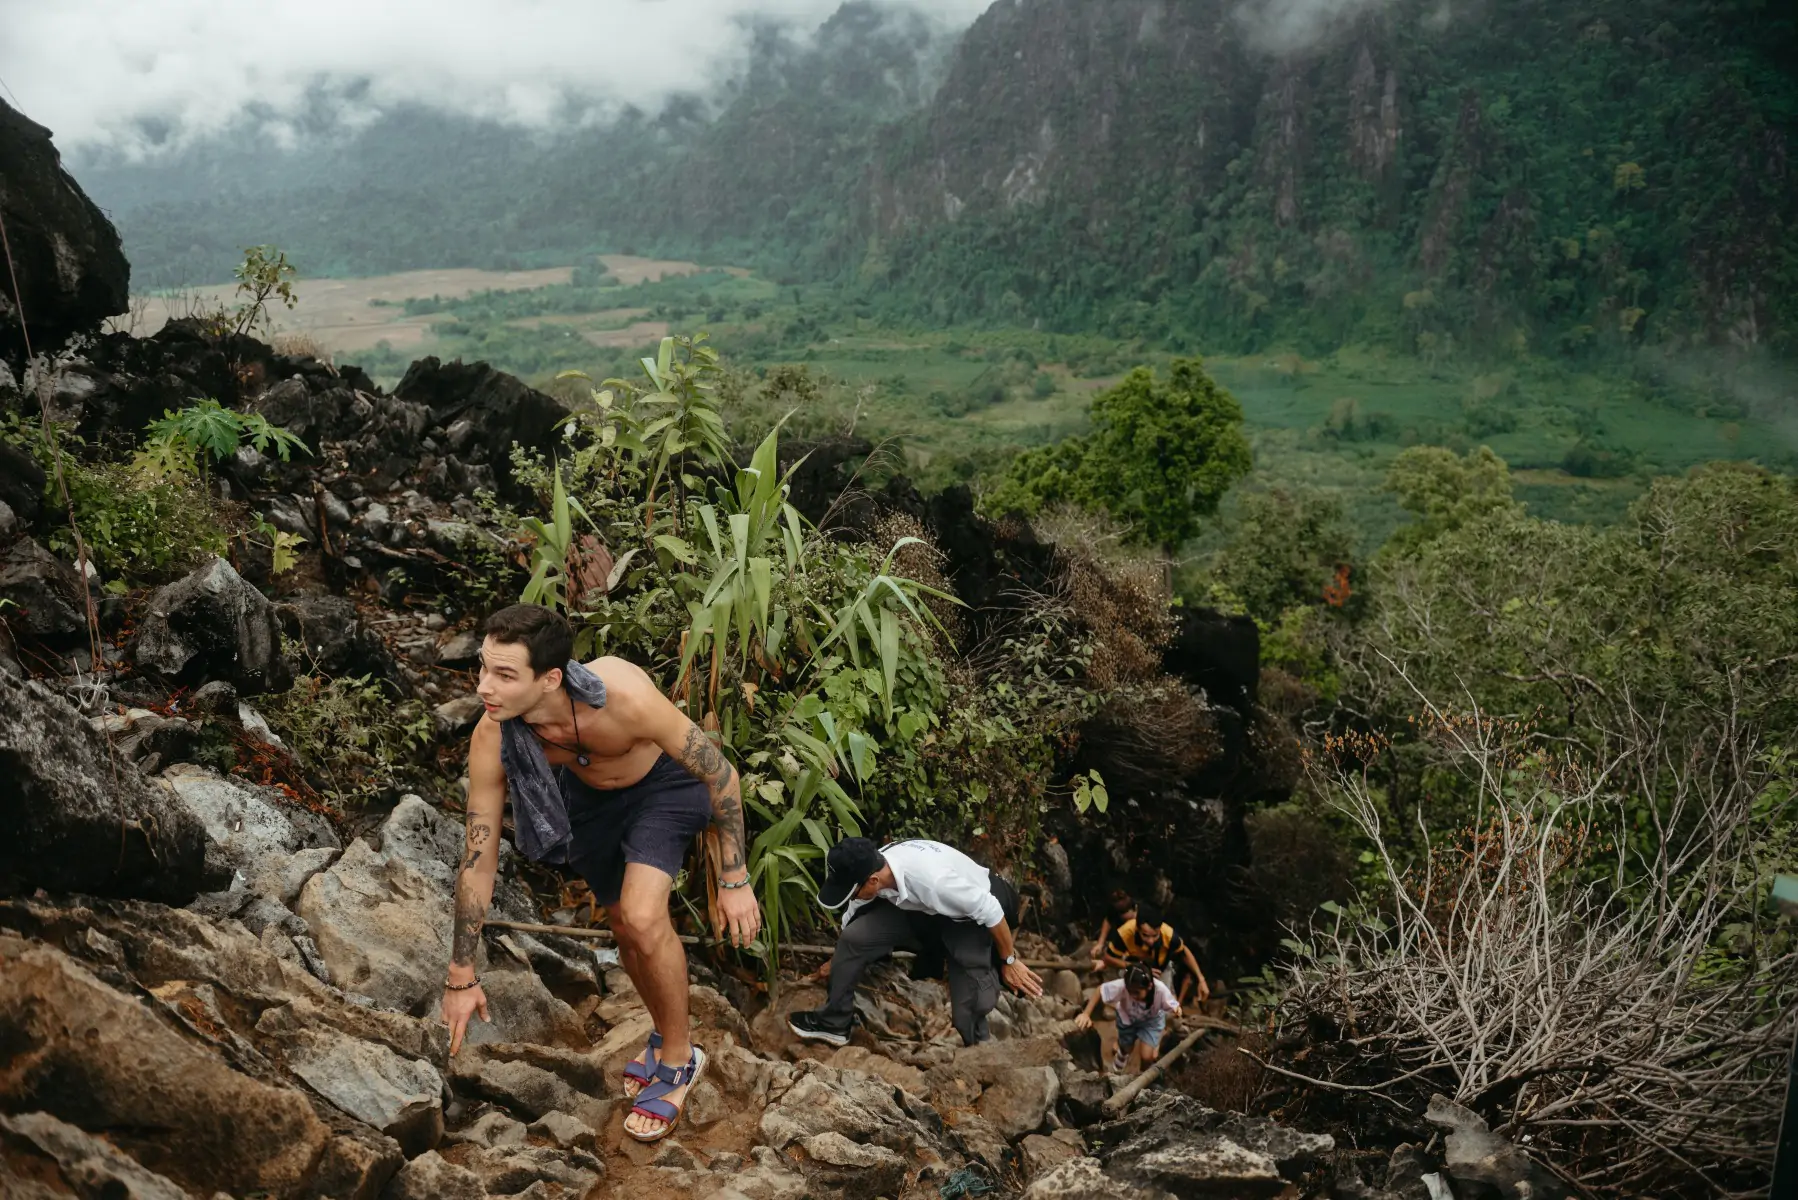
point(928, 898)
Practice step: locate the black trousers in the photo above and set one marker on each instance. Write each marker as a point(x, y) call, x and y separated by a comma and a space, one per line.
point(964, 948)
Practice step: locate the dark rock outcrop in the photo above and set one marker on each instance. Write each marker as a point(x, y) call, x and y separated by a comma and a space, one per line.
point(499, 408)
point(212, 625)
point(46, 593)
point(71, 272)
point(75, 819)
point(21, 483)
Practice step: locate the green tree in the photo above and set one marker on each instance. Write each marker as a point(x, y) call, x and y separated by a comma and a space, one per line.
point(1283, 547)
point(1160, 457)
point(1447, 492)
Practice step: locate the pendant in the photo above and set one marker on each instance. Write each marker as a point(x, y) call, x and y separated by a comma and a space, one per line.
point(583, 760)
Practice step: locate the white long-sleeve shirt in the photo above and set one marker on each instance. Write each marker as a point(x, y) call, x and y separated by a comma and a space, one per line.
point(930, 877)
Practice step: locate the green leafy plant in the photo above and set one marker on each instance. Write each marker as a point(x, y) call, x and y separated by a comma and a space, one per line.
point(1089, 792)
point(205, 433)
point(354, 738)
point(678, 413)
point(263, 276)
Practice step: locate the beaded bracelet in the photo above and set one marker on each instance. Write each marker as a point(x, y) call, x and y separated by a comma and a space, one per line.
point(462, 987)
point(731, 887)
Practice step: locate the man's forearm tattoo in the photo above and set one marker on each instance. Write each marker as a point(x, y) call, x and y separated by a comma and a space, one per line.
point(471, 913)
point(707, 763)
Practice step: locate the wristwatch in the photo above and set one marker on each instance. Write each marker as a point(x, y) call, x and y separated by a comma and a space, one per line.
point(1010, 959)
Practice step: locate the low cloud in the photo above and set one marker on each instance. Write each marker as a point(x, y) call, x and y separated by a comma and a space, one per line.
point(1290, 26)
point(124, 74)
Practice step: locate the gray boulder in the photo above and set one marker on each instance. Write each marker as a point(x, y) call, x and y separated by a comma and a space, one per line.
point(46, 592)
point(70, 269)
point(1019, 1100)
point(42, 1158)
point(1482, 1163)
point(92, 1055)
point(74, 818)
point(1173, 1142)
point(212, 625)
point(431, 1177)
point(402, 1097)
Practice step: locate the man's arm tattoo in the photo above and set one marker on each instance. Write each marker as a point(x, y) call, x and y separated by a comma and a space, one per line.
point(707, 763)
point(471, 914)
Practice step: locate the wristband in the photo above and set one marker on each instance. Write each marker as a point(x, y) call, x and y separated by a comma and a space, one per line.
point(461, 987)
point(731, 887)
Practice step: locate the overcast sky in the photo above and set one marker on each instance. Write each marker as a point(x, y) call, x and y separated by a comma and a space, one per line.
point(92, 70)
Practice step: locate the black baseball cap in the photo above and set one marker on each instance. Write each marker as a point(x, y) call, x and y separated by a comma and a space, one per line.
point(848, 866)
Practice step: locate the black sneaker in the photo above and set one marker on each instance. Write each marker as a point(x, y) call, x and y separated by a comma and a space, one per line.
point(814, 1026)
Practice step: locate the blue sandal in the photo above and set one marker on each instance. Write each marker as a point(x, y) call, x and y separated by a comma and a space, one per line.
point(642, 1072)
point(650, 1101)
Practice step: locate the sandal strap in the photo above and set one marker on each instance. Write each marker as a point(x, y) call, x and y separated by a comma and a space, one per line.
point(639, 1070)
point(655, 1106)
point(674, 1077)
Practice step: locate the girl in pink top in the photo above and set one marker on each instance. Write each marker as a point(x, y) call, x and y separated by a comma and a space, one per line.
point(1143, 1004)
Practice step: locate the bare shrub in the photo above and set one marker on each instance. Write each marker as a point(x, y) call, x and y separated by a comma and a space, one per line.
point(1579, 964)
point(301, 345)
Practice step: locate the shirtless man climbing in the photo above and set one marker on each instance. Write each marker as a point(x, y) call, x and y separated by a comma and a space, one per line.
point(616, 786)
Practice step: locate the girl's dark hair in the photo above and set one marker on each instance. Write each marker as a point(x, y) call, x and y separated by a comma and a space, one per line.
point(1138, 976)
point(1122, 901)
point(547, 638)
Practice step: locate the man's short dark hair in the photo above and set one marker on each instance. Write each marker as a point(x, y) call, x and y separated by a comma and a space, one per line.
point(547, 637)
point(1148, 915)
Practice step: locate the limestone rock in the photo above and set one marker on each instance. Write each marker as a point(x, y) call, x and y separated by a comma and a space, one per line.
point(508, 1170)
point(860, 1058)
point(1041, 1153)
point(71, 820)
point(70, 268)
point(1483, 1163)
point(382, 928)
point(987, 1061)
point(399, 1096)
point(1083, 1179)
point(257, 837)
point(767, 1176)
point(454, 718)
point(42, 1158)
point(852, 1169)
point(1019, 1100)
point(430, 1177)
point(1174, 1142)
point(522, 1009)
point(46, 591)
point(89, 1055)
point(497, 1129)
point(525, 1089)
point(1066, 986)
point(212, 625)
point(569, 1132)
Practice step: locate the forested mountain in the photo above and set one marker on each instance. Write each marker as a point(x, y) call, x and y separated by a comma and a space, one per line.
point(1521, 175)
point(1580, 173)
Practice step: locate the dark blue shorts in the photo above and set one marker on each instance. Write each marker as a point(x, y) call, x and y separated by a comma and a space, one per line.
point(653, 821)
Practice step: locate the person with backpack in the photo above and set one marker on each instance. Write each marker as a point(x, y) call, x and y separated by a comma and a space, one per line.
point(1148, 939)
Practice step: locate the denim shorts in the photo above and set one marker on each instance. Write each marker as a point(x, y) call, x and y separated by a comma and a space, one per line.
point(653, 821)
point(1148, 1031)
